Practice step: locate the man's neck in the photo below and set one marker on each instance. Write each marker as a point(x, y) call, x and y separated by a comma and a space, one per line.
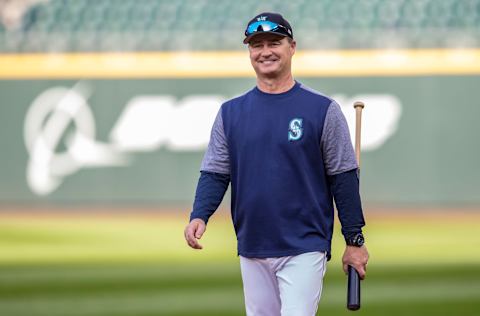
point(275, 85)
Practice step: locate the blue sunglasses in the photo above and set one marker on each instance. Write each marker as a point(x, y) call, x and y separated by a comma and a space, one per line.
point(264, 26)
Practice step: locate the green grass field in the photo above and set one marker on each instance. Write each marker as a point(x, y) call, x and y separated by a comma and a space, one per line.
point(138, 264)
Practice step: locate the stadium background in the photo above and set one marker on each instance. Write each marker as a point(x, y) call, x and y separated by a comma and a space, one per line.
point(105, 112)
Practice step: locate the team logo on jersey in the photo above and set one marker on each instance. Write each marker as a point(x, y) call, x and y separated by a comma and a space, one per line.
point(295, 129)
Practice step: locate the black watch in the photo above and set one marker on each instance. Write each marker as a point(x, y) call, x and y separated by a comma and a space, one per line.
point(356, 240)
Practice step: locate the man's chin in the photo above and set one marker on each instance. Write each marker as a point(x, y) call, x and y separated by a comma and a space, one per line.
point(267, 72)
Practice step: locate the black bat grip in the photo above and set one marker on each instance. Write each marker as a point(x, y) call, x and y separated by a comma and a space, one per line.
point(353, 289)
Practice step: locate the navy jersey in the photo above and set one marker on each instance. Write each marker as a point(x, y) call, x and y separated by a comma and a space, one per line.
point(279, 150)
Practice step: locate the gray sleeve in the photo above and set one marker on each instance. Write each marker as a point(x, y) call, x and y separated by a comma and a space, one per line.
point(337, 148)
point(216, 157)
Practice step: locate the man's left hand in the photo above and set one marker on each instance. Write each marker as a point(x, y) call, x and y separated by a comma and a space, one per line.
point(357, 257)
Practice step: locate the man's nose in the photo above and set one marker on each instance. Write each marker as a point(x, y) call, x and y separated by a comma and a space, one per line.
point(266, 51)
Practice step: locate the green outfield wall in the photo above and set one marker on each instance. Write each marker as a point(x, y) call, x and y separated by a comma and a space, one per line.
point(141, 141)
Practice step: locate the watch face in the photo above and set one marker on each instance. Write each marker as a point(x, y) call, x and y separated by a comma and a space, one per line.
point(357, 240)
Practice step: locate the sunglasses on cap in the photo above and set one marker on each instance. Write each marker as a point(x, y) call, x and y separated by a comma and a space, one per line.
point(265, 26)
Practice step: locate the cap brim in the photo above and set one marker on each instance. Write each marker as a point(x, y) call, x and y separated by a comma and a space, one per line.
point(248, 38)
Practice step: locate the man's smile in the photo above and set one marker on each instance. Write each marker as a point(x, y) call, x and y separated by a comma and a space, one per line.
point(268, 62)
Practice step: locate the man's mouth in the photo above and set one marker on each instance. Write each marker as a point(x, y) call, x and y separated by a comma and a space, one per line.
point(268, 62)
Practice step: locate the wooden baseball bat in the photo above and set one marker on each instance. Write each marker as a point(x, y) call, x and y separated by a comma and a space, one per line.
point(353, 283)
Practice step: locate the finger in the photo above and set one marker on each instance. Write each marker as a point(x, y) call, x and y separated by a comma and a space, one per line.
point(193, 244)
point(192, 241)
point(191, 232)
point(200, 231)
point(185, 235)
point(189, 236)
point(345, 268)
point(361, 272)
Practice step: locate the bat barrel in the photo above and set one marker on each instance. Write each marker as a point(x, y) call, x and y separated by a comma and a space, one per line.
point(358, 128)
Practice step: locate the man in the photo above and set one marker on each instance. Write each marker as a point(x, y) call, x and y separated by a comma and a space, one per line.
point(287, 152)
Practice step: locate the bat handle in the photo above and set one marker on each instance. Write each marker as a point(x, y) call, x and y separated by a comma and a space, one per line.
point(353, 293)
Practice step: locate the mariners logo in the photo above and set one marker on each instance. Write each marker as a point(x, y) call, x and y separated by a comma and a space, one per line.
point(295, 129)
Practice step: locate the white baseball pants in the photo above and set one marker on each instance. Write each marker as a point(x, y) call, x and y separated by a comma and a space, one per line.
point(283, 286)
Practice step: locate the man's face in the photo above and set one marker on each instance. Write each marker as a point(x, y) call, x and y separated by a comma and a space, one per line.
point(271, 55)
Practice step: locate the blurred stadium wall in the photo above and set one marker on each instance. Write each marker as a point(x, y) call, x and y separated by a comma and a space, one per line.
point(111, 101)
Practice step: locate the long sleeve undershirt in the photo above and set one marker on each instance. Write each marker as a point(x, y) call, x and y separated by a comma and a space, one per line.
point(210, 191)
point(345, 190)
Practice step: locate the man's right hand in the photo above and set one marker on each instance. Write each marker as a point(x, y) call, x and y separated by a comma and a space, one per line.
point(194, 231)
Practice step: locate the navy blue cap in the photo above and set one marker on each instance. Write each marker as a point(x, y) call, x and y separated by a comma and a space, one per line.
point(262, 23)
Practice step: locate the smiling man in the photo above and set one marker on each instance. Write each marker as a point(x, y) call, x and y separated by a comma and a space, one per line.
point(286, 150)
